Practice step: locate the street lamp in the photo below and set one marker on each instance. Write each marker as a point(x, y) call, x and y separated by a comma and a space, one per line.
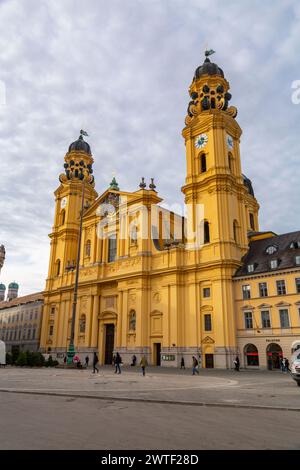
point(71, 350)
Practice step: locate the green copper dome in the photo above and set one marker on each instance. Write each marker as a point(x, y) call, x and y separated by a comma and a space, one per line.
point(13, 285)
point(2, 287)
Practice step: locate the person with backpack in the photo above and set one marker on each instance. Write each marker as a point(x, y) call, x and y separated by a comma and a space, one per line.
point(144, 364)
point(195, 366)
point(95, 362)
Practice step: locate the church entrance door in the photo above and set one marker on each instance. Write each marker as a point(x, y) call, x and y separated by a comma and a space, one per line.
point(109, 343)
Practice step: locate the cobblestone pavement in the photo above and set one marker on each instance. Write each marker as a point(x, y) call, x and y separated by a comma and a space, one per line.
point(245, 388)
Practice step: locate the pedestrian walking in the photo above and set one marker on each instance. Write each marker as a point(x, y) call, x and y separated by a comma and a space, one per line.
point(237, 364)
point(195, 366)
point(133, 360)
point(182, 364)
point(287, 365)
point(65, 360)
point(118, 362)
point(282, 364)
point(95, 362)
point(144, 364)
point(87, 361)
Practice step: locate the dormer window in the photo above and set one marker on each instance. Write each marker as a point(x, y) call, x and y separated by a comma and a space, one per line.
point(294, 245)
point(271, 249)
point(297, 260)
point(250, 268)
point(274, 263)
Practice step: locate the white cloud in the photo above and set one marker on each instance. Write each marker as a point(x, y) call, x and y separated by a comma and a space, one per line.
point(122, 70)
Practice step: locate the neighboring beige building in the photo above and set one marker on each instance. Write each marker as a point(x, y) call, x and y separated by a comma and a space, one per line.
point(20, 322)
point(267, 293)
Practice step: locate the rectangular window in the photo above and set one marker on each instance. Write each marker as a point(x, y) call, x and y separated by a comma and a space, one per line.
point(207, 322)
point(28, 334)
point(297, 285)
point(250, 268)
point(284, 318)
point(265, 319)
point(281, 290)
point(246, 292)
point(263, 289)
point(33, 334)
point(273, 263)
point(51, 330)
point(248, 320)
point(206, 292)
point(297, 260)
point(112, 249)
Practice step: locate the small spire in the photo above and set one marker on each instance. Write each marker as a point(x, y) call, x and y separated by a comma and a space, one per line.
point(142, 183)
point(114, 185)
point(152, 185)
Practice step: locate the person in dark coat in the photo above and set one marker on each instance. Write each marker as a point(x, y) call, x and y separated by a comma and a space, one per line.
point(237, 364)
point(95, 362)
point(87, 361)
point(118, 361)
point(182, 364)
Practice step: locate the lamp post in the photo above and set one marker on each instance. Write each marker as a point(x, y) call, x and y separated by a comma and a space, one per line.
point(71, 350)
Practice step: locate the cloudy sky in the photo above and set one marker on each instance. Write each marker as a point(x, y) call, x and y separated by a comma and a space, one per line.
point(121, 70)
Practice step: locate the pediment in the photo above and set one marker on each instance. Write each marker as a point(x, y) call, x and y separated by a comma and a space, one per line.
point(265, 306)
point(206, 307)
point(283, 304)
point(247, 307)
point(207, 340)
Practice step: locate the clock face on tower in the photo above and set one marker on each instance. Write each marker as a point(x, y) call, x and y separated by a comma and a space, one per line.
point(63, 202)
point(200, 141)
point(229, 141)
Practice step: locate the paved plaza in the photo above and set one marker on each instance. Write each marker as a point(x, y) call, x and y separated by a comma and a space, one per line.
point(166, 409)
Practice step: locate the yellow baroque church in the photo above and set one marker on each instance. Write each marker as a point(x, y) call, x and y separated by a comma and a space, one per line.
point(153, 282)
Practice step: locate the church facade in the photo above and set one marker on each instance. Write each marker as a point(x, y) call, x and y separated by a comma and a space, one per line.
point(151, 281)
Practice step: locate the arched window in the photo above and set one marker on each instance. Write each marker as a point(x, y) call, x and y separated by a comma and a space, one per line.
point(132, 320)
point(236, 231)
point(57, 265)
point(203, 163)
point(251, 355)
point(82, 324)
point(251, 218)
point(112, 248)
point(206, 232)
point(88, 248)
point(230, 162)
point(133, 234)
point(62, 217)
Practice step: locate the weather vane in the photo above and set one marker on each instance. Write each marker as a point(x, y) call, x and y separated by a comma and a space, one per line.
point(83, 132)
point(209, 52)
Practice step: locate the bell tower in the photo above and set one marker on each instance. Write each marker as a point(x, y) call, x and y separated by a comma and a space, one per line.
point(221, 206)
point(214, 178)
point(77, 177)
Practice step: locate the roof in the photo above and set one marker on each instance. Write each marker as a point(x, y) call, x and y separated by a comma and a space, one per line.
point(80, 145)
point(208, 68)
point(26, 299)
point(258, 256)
point(13, 285)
